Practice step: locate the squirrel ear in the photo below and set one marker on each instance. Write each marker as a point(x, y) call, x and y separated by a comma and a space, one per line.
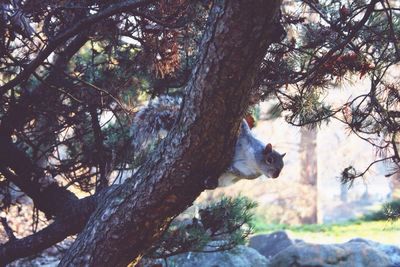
point(283, 155)
point(268, 149)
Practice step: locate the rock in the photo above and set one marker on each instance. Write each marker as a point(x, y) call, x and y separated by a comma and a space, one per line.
point(355, 254)
point(393, 252)
point(240, 256)
point(284, 252)
point(271, 244)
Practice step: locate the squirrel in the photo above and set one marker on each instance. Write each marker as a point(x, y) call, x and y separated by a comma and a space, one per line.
point(252, 157)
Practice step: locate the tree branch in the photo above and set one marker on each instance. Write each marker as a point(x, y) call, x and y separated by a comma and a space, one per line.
point(21, 112)
point(357, 27)
point(71, 223)
point(100, 149)
point(64, 36)
point(51, 199)
point(7, 229)
point(25, 174)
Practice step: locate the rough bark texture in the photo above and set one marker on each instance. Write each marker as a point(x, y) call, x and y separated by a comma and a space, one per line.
point(131, 218)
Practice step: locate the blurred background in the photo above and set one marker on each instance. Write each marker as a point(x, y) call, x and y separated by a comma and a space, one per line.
point(308, 199)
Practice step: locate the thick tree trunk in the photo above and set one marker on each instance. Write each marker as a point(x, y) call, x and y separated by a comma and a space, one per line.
point(309, 170)
point(129, 220)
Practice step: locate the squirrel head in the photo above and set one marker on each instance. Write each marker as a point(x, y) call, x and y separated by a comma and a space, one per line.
point(273, 162)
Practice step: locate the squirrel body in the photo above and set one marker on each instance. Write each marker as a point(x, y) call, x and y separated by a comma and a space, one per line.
point(252, 157)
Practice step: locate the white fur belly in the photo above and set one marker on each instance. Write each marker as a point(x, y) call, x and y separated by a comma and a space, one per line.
point(226, 179)
point(245, 168)
point(244, 161)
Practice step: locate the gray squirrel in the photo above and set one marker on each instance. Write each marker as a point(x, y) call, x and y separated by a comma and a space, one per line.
point(252, 157)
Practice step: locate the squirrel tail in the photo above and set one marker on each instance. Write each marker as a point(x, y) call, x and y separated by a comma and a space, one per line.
point(152, 123)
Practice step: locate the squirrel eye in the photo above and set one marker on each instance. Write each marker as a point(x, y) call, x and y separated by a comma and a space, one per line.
point(270, 160)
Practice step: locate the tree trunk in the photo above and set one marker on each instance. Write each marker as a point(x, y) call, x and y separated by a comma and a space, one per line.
point(395, 185)
point(129, 220)
point(309, 170)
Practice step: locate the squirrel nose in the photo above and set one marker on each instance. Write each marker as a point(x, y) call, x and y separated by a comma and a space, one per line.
point(276, 174)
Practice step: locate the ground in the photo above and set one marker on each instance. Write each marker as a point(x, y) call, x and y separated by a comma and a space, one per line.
point(386, 231)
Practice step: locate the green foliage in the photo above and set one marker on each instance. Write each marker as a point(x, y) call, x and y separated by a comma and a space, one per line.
point(381, 231)
point(348, 176)
point(152, 52)
point(308, 108)
point(117, 141)
point(330, 43)
point(389, 211)
point(220, 226)
point(275, 112)
point(261, 227)
point(254, 111)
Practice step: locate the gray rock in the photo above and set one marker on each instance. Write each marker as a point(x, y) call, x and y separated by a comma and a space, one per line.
point(240, 256)
point(271, 244)
point(355, 254)
point(393, 252)
point(284, 252)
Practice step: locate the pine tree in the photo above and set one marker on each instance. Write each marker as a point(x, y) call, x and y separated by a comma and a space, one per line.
point(73, 73)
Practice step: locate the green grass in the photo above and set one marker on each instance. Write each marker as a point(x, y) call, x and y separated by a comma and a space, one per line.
point(381, 231)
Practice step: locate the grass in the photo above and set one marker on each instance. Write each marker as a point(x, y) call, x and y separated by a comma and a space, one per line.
point(384, 231)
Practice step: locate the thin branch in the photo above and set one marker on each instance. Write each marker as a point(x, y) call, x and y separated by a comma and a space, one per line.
point(7, 229)
point(370, 165)
point(20, 113)
point(51, 199)
point(66, 35)
point(125, 109)
point(70, 223)
point(389, 15)
point(100, 148)
point(35, 243)
point(348, 39)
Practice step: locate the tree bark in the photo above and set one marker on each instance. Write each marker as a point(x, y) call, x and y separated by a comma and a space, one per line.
point(129, 220)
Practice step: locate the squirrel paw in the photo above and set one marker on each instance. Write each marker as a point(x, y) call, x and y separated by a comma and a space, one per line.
point(211, 183)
